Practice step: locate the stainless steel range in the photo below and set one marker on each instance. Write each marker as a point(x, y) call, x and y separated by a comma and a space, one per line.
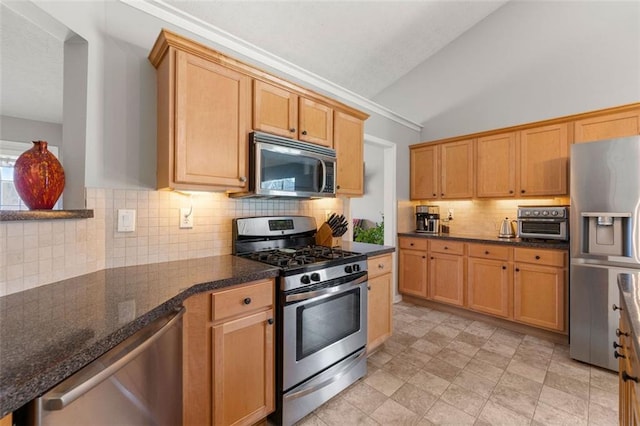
point(321, 310)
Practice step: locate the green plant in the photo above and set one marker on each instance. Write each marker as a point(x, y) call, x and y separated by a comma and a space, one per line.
point(373, 235)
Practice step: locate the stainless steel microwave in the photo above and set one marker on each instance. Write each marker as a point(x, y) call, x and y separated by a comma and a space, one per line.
point(282, 167)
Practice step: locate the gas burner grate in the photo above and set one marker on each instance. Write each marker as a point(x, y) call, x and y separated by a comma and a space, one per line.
point(289, 258)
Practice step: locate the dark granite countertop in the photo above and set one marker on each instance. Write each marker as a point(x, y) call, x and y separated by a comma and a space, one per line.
point(50, 332)
point(514, 242)
point(629, 285)
point(370, 250)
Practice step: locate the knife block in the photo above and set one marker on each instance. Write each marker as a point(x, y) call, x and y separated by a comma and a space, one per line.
point(324, 237)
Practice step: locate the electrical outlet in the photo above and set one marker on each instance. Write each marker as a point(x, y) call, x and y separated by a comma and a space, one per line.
point(186, 217)
point(450, 215)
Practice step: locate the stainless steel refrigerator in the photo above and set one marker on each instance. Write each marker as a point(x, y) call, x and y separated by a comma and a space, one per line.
point(605, 241)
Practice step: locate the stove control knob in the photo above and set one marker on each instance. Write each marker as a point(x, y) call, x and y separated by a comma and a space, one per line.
point(315, 276)
point(348, 269)
point(305, 279)
point(536, 213)
point(545, 213)
point(356, 268)
point(554, 213)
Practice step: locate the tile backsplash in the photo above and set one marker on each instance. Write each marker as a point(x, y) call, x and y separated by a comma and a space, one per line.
point(35, 253)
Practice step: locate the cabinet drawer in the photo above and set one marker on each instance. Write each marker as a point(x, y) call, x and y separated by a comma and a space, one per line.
point(379, 265)
point(541, 257)
point(449, 247)
point(413, 243)
point(246, 299)
point(490, 251)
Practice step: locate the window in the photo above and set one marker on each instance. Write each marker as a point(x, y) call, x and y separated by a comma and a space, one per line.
point(9, 153)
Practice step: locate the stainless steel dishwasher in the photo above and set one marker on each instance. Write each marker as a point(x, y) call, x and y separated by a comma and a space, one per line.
point(139, 382)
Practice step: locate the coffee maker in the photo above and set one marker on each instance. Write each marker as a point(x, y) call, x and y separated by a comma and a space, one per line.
point(428, 219)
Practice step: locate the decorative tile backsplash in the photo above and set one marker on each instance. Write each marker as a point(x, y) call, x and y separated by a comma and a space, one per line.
point(35, 253)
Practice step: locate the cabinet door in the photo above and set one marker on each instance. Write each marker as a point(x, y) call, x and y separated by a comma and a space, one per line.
point(457, 169)
point(540, 296)
point(424, 174)
point(243, 369)
point(379, 311)
point(607, 126)
point(316, 122)
point(412, 278)
point(348, 141)
point(446, 278)
point(211, 124)
point(489, 286)
point(544, 155)
point(496, 165)
point(275, 110)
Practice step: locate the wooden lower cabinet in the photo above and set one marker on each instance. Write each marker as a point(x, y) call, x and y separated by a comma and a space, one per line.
point(490, 287)
point(412, 272)
point(228, 356)
point(540, 296)
point(380, 301)
point(6, 420)
point(446, 278)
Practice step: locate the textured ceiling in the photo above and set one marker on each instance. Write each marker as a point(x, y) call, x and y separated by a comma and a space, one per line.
point(363, 46)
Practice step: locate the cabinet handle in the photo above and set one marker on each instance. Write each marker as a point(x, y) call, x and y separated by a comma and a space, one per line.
point(242, 178)
point(304, 132)
point(486, 252)
point(338, 187)
point(380, 266)
point(431, 257)
point(411, 244)
point(537, 257)
point(446, 248)
point(621, 333)
point(627, 377)
point(511, 191)
point(442, 194)
point(522, 191)
point(247, 300)
point(504, 267)
point(517, 269)
point(616, 345)
point(434, 194)
point(617, 355)
point(270, 320)
point(424, 257)
point(616, 308)
point(369, 287)
point(292, 130)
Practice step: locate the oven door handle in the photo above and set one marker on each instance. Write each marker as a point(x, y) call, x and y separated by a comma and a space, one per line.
point(324, 176)
point(335, 376)
point(326, 291)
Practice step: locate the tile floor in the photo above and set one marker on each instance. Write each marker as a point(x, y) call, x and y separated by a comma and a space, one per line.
point(440, 368)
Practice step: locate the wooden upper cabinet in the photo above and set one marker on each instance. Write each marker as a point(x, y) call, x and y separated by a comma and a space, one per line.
point(203, 144)
point(424, 173)
point(456, 169)
point(496, 165)
point(607, 126)
point(275, 110)
point(316, 122)
point(544, 155)
point(348, 140)
point(281, 112)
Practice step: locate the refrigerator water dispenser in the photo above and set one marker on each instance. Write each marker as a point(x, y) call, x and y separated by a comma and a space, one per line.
point(605, 233)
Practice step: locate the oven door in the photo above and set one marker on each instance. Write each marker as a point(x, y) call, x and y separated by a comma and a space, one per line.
point(323, 326)
point(551, 229)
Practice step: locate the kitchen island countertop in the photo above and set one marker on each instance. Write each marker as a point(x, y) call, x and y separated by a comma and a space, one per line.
point(513, 242)
point(50, 332)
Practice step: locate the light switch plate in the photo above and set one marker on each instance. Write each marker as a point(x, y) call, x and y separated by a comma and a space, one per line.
point(126, 220)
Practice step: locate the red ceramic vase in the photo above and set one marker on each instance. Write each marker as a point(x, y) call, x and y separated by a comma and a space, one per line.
point(38, 177)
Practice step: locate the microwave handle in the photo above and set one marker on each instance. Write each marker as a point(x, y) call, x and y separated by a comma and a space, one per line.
point(324, 176)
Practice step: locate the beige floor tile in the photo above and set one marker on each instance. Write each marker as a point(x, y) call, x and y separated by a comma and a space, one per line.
point(492, 358)
point(497, 415)
point(604, 398)
point(604, 379)
point(436, 316)
point(568, 385)
point(457, 322)
point(520, 403)
point(392, 347)
point(572, 369)
point(311, 420)
point(453, 357)
point(404, 316)
point(442, 368)
point(401, 368)
point(499, 348)
point(391, 413)
point(429, 383)
point(446, 331)
point(414, 398)
point(507, 337)
point(520, 384)
point(380, 358)
point(384, 382)
point(573, 405)
point(540, 341)
point(526, 370)
point(547, 415)
point(531, 358)
point(484, 369)
point(463, 348)
point(464, 399)
point(427, 346)
point(471, 339)
point(444, 414)
point(601, 416)
point(402, 339)
point(424, 422)
point(364, 397)
point(339, 412)
point(419, 328)
point(475, 383)
point(414, 357)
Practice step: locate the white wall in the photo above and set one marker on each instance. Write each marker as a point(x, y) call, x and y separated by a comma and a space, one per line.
point(23, 130)
point(528, 61)
point(371, 205)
